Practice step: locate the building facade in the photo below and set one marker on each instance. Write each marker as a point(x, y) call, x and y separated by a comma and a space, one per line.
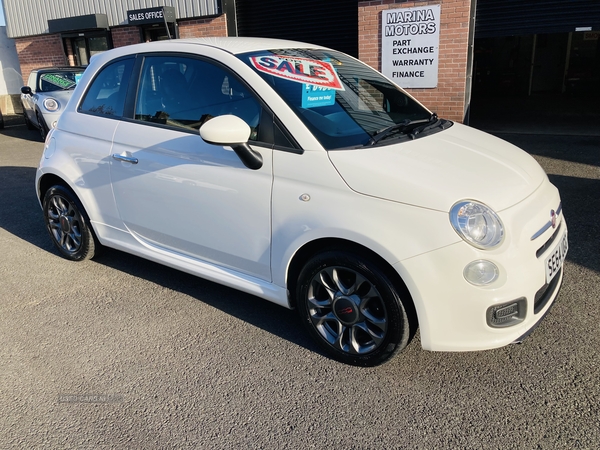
point(472, 47)
point(10, 74)
point(450, 97)
point(72, 31)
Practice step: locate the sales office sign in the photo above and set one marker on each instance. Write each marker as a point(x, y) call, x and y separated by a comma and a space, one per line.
point(410, 45)
point(146, 16)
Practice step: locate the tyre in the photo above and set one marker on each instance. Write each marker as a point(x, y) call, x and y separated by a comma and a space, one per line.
point(28, 123)
point(352, 309)
point(42, 127)
point(68, 225)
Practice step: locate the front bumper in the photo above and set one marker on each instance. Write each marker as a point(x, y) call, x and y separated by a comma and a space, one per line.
point(48, 119)
point(553, 291)
point(457, 316)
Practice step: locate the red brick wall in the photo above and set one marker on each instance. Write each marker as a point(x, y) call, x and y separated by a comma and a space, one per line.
point(214, 26)
point(448, 99)
point(123, 36)
point(40, 51)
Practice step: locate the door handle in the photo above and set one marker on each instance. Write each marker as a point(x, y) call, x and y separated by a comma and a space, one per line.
point(129, 159)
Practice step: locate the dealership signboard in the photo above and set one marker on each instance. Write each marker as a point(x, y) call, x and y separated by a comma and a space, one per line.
point(410, 46)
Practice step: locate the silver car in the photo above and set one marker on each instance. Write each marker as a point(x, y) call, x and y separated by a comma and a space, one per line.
point(47, 92)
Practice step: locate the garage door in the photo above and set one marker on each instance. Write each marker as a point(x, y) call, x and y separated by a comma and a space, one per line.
point(497, 18)
point(331, 23)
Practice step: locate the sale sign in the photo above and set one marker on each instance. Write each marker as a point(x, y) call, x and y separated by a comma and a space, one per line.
point(300, 70)
point(314, 96)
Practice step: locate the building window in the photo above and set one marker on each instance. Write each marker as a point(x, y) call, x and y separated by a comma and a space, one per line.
point(81, 48)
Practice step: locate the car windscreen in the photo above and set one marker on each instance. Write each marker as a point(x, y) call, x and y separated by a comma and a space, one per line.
point(343, 102)
point(58, 81)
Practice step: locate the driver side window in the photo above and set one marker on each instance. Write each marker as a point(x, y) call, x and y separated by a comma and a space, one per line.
point(186, 92)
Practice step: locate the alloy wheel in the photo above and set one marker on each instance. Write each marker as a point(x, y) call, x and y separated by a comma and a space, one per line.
point(347, 310)
point(64, 223)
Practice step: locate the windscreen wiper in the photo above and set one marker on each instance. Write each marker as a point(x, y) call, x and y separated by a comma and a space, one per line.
point(432, 122)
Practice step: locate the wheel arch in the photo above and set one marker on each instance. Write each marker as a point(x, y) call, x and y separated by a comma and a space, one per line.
point(310, 249)
point(47, 180)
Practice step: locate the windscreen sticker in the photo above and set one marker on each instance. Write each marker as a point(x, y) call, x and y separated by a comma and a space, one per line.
point(58, 80)
point(313, 96)
point(300, 70)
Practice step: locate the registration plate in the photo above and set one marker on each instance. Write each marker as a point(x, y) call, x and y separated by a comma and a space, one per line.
point(556, 258)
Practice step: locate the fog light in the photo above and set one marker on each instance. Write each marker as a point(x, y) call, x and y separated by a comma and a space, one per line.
point(481, 272)
point(507, 314)
point(54, 124)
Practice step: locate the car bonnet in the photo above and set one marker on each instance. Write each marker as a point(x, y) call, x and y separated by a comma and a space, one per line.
point(438, 170)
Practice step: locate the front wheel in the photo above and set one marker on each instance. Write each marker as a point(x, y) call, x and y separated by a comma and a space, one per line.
point(352, 309)
point(28, 123)
point(68, 224)
point(42, 128)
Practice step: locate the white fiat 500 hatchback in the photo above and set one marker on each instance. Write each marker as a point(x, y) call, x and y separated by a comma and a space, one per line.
point(298, 174)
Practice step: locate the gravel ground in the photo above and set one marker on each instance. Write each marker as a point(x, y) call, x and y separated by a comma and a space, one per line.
point(123, 353)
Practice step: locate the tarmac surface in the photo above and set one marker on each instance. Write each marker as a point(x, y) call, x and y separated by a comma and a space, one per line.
point(120, 352)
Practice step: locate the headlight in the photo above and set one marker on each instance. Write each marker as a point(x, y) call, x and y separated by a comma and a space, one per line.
point(51, 105)
point(477, 224)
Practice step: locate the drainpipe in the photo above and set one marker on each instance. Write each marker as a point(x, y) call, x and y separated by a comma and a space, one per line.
point(470, 56)
point(167, 25)
point(231, 17)
point(532, 63)
point(567, 62)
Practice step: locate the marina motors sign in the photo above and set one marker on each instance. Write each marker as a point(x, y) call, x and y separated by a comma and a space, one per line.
point(410, 43)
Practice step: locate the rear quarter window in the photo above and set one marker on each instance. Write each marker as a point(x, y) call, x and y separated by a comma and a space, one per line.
point(106, 93)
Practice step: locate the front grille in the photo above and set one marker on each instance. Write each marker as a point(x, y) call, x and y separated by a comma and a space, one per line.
point(545, 293)
point(549, 242)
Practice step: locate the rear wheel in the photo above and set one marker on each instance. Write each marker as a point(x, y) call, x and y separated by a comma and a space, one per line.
point(68, 224)
point(352, 309)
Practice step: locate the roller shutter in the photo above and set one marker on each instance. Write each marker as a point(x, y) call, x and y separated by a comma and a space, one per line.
point(495, 18)
point(331, 23)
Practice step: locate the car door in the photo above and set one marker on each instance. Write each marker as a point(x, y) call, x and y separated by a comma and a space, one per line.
point(173, 191)
point(86, 132)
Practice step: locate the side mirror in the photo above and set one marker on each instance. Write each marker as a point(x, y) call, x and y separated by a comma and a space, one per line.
point(230, 130)
point(26, 90)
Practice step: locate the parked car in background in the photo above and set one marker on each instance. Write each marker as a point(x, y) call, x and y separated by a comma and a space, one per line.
point(303, 176)
point(47, 92)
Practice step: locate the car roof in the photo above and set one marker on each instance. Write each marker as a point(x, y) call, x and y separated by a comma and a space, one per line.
point(236, 45)
point(58, 69)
